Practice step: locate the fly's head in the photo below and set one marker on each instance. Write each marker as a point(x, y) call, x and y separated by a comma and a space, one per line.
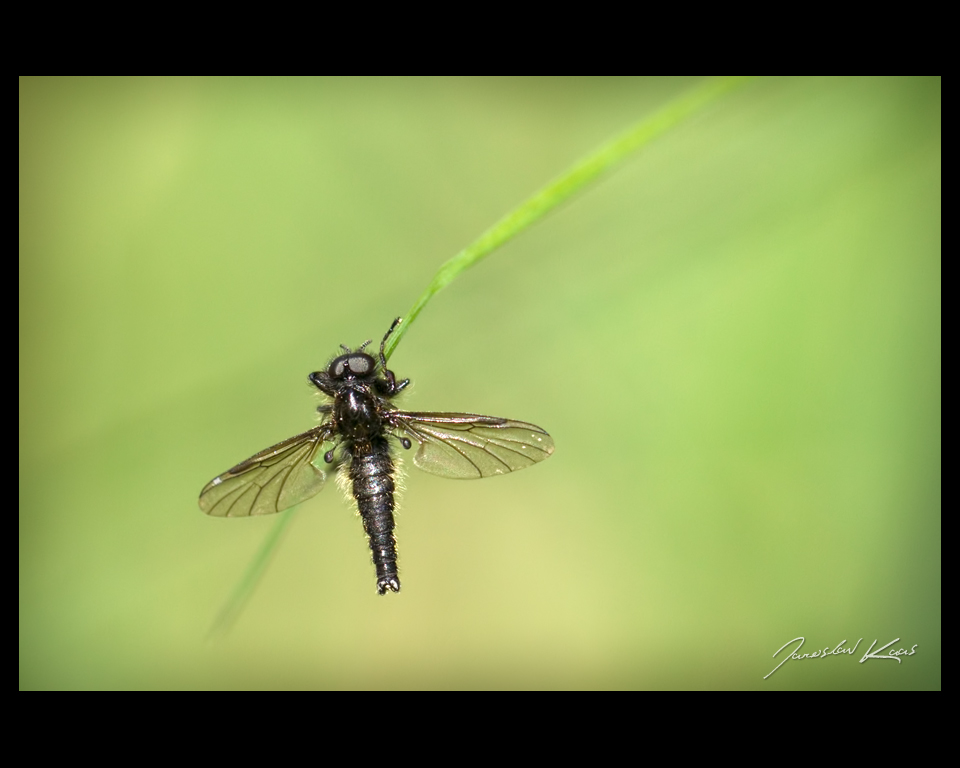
point(345, 370)
point(352, 365)
point(357, 367)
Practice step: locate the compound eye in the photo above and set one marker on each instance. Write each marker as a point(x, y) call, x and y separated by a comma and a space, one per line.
point(357, 364)
point(360, 364)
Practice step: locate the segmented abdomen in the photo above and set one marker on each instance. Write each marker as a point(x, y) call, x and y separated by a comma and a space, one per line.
point(371, 473)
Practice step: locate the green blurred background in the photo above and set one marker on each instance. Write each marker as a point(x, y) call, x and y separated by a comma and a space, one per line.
point(734, 340)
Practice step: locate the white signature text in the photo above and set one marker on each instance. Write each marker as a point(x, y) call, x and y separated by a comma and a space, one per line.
point(839, 650)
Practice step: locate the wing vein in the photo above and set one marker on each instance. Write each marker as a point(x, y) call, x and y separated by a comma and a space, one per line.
point(270, 481)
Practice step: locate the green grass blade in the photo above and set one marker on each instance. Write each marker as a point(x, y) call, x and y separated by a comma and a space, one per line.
point(232, 609)
point(566, 185)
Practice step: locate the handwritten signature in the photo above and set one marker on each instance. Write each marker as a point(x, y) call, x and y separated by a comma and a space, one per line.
point(839, 650)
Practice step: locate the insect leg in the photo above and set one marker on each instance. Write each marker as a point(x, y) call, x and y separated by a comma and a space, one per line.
point(383, 344)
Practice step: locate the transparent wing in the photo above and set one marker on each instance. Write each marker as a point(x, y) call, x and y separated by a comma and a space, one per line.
point(467, 446)
point(271, 481)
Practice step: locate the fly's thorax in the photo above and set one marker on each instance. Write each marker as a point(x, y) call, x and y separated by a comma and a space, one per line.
point(356, 412)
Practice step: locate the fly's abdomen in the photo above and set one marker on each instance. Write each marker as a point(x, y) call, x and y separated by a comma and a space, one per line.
point(371, 473)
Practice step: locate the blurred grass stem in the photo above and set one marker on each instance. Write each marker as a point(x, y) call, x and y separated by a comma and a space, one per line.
point(232, 609)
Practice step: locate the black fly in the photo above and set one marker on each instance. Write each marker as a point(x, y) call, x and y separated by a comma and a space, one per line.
point(357, 423)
